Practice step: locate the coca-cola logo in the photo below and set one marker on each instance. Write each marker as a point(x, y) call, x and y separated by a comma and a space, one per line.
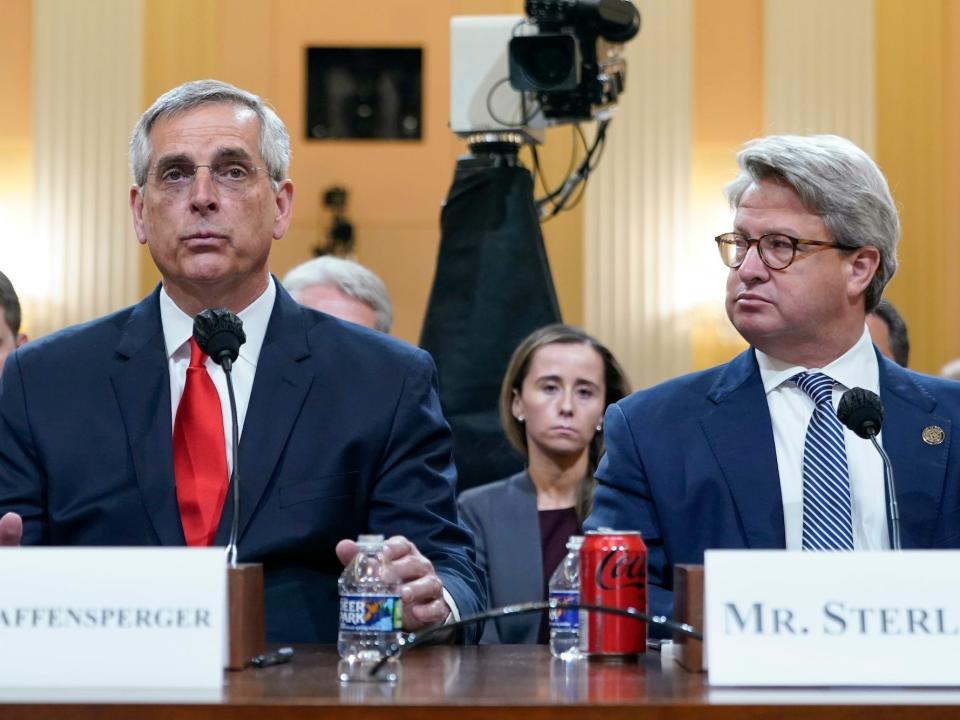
point(618, 569)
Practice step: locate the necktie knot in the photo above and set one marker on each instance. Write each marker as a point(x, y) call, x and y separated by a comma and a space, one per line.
point(198, 358)
point(817, 385)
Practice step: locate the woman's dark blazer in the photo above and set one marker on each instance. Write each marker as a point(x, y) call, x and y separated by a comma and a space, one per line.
point(503, 517)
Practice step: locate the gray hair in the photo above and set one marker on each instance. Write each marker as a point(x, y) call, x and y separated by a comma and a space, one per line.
point(836, 180)
point(274, 139)
point(352, 279)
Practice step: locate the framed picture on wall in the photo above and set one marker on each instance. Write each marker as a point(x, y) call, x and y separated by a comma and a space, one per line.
point(364, 93)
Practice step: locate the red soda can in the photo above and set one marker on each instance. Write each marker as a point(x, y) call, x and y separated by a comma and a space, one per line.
point(613, 572)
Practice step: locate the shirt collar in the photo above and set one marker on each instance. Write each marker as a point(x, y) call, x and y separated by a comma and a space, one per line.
point(857, 367)
point(178, 326)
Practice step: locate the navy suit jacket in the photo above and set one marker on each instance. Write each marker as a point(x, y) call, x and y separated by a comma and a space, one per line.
point(506, 527)
point(343, 435)
point(691, 463)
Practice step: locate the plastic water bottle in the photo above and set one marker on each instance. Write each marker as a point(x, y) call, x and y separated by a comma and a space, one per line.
point(371, 611)
point(565, 588)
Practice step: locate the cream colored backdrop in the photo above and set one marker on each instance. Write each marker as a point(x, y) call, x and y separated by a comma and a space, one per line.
point(637, 266)
point(16, 149)
point(819, 70)
point(638, 241)
point(918, 146)
point(86, 97)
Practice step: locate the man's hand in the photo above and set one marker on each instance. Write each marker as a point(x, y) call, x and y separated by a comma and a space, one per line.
point(420, 589)
point(11, 530)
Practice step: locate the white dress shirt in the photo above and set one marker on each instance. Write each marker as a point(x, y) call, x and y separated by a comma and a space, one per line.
point(177, 331)
point(790, 413)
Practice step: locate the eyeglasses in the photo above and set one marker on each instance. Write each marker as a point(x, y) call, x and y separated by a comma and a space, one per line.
point(232, 176)
point(776, 251)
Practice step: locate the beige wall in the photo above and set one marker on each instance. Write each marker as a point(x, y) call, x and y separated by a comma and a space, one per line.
point(15, 115)
point(396, 188)
point(727, 111)
point(918, 146)
point(16, 167)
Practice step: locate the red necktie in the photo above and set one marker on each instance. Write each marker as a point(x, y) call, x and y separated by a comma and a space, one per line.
point(199, 453)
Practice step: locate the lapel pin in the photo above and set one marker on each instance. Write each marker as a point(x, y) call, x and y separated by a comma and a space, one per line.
point(933, 435)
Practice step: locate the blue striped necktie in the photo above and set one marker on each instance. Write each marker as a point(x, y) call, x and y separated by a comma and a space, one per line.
point(827, 518)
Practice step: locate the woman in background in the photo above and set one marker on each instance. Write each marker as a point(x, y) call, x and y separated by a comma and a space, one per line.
point(556, 388)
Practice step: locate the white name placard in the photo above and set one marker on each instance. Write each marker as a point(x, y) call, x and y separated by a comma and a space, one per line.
point(112, 617)
point(776, 618)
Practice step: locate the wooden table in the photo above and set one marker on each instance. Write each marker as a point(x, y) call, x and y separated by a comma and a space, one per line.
point(508, 682)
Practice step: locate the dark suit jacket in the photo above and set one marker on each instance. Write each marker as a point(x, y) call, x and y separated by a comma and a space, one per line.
point(506, 527)
point(343, 435)
point(691, 463)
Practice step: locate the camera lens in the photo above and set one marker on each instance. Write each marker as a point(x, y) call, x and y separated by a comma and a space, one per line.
point(544, 62)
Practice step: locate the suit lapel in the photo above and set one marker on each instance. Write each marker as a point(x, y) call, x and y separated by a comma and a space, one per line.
point(280, 387)
point(517, 532)
point(142, 386)
point(919, 469)
point(740, 433)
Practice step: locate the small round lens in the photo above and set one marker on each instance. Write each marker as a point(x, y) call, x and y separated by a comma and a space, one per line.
point(777, 251)
point(729, 251)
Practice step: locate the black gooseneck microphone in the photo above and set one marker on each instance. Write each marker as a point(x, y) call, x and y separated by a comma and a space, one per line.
point(861, 411)
point(219, 333)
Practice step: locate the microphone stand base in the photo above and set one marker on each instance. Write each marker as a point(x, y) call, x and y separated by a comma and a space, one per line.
point(245, 608)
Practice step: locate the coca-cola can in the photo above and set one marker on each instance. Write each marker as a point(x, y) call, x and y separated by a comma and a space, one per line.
point(613, 572)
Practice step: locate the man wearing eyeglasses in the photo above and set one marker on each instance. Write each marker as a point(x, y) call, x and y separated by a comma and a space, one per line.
point(751, 454)
point(115, 433)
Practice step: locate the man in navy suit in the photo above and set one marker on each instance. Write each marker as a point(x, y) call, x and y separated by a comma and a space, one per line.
point(341, 431)
point(720, 458)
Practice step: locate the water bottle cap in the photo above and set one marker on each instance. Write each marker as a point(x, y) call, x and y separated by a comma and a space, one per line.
point(575, 542)
point(366, 541)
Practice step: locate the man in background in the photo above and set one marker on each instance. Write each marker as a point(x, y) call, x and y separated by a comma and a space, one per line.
point(751, 454)
point(10, 335)
point(889, 333)
point(115, 432)
point(342, 288)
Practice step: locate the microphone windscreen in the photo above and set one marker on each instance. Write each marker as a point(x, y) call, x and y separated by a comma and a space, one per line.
point(219, 333)
point(861, 411)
